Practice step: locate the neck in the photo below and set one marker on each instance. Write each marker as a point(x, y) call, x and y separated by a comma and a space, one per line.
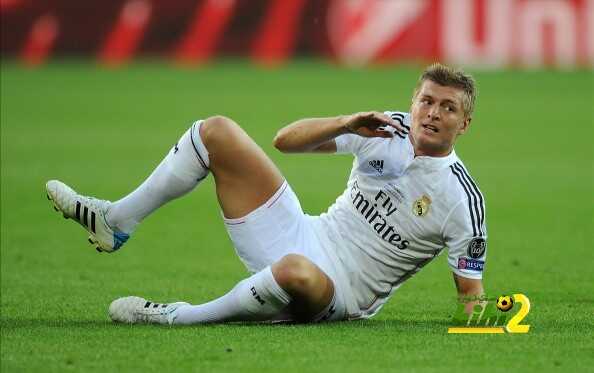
point(421, 153)
point(429, 152)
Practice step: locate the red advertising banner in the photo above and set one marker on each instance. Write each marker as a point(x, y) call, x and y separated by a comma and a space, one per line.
point(490, 33)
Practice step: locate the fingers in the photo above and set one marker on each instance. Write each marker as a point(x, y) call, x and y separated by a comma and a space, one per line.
point(374, 124)
point(383, 120)
point(383, 133)
point(391, 122)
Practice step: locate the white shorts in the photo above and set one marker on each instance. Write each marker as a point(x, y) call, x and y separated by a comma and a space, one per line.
point(279, 227)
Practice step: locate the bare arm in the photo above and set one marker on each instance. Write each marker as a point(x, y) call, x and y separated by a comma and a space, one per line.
point(468, 288)
point(318, 134)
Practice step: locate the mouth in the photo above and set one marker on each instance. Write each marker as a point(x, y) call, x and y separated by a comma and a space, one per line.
point(430, 128)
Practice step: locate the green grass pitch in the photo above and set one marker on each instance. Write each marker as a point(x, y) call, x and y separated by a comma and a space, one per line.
point(103, 131)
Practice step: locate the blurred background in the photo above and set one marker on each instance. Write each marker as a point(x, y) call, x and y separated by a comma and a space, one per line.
point(485, 33)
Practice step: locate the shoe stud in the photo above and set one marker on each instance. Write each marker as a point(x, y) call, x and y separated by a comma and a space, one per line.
point(98, 249)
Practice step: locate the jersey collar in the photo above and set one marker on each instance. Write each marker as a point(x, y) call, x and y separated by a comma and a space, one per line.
point(429, 163)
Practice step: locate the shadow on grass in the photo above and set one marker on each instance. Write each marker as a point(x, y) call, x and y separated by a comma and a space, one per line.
point(392, 324)
point(8, 324)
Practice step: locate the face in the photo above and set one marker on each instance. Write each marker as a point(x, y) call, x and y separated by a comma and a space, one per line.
point(437, 119)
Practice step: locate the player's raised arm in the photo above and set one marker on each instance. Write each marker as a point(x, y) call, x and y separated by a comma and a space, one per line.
point(318, 134)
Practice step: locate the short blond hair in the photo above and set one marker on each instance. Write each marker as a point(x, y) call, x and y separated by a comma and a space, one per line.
point(451, 77)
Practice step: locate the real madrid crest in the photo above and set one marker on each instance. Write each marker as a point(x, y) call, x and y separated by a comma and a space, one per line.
point(421, 206)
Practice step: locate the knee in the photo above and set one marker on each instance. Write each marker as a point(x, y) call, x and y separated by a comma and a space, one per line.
point(219, 129)
point(296, 274)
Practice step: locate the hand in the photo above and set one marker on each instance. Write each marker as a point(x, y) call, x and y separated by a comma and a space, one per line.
point(371, 124)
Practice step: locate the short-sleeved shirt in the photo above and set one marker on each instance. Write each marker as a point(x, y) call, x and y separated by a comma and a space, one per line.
point(398, 212)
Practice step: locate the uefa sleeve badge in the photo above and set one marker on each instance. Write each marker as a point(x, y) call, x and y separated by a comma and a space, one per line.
point(477, 247)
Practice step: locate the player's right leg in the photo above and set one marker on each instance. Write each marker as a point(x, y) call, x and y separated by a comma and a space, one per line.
point(110, 224)
point(245, 178)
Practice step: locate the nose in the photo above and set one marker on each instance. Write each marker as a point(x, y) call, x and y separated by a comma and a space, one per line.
point(433, 112)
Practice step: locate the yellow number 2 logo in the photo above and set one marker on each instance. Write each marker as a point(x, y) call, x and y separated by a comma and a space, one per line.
point(513, 325)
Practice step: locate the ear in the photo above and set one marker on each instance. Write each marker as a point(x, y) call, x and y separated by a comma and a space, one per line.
point(464, 126)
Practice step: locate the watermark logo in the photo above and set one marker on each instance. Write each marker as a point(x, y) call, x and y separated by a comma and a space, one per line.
point(492, 315)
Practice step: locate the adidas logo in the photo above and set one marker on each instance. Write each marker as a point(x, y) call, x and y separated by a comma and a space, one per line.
point(378, 165)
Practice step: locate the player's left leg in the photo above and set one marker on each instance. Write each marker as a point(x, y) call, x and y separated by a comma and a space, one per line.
point(293, 281)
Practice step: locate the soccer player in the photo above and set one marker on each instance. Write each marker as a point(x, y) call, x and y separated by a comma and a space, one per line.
point(408, 197)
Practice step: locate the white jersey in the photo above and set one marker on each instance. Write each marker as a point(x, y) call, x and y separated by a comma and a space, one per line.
point(399, 212)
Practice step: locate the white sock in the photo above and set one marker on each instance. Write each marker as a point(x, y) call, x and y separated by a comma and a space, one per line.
point(256, 298)
point(182, 169)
